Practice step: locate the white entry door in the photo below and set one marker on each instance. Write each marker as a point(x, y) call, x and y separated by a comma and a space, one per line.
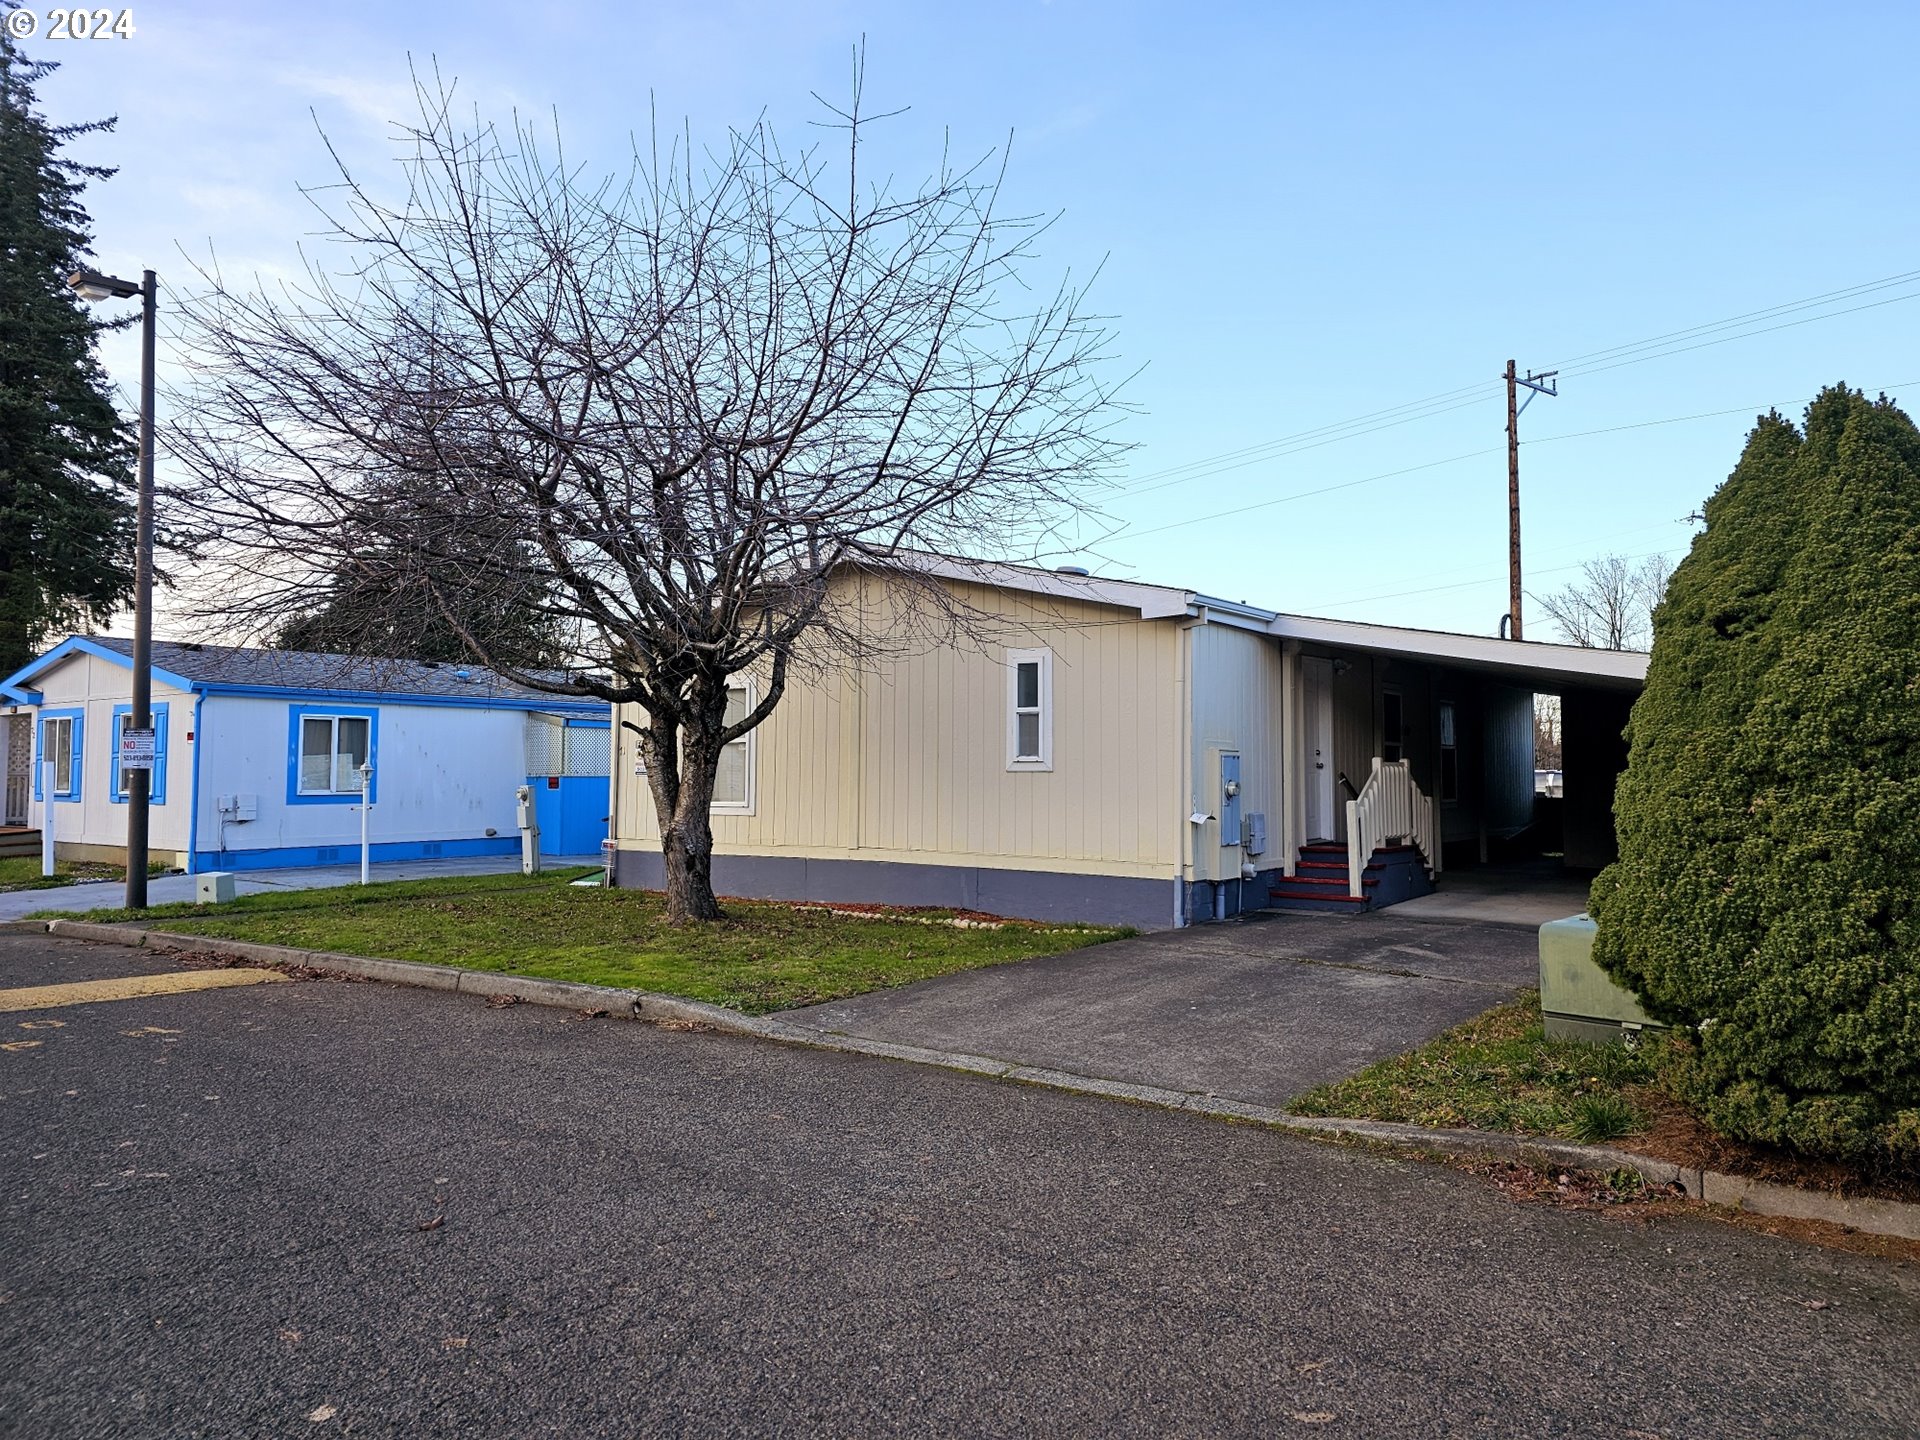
point(1317, 683)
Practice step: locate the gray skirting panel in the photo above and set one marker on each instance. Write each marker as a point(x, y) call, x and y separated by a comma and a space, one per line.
point(1021, 894)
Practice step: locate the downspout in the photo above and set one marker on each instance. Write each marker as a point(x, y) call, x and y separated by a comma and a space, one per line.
point(614, 771)
point(193, 788)
point(1183, 734)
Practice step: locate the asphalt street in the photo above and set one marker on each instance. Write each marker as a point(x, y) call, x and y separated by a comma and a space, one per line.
point(319, 1207)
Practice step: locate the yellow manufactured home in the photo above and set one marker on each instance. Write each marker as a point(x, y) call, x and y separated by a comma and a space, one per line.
point(1107, 750)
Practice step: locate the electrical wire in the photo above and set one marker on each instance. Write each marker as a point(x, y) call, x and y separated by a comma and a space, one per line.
point(1592, 362)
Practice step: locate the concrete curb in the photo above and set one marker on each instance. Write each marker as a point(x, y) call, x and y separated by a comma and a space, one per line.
point(1896, 1218)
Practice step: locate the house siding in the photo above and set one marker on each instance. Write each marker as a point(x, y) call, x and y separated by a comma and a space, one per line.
point(441, 774)
point(903, 759)
point(1237, 706)
point(95, 826)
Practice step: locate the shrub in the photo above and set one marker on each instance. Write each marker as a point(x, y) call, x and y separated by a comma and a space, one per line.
point(1769, 817)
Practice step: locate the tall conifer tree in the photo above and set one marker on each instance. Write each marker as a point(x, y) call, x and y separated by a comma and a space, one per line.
point(66, 524)
point(1769, 818)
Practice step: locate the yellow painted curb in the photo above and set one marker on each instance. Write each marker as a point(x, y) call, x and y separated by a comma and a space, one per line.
point(130, 987)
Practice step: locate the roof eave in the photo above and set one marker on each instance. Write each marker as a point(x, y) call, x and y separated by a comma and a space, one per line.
point(1614, 669)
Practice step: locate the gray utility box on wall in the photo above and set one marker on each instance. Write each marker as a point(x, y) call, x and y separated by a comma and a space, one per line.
point(1579, 1000)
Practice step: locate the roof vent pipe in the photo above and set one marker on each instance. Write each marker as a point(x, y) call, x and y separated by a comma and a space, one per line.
point(1072, 570)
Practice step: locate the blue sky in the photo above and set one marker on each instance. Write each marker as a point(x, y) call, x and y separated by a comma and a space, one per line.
point(1306, 213)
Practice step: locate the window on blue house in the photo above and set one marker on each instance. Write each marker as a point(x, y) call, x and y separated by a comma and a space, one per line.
point(157, 778)
point(332, 750)
point(56, 744)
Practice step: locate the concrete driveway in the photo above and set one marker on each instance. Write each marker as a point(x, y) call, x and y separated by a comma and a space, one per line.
point(1259, 1009)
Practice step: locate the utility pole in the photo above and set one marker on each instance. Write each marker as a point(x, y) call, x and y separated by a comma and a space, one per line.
point(1540, 384)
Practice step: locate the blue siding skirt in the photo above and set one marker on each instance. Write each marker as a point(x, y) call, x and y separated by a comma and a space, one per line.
point(295, 857)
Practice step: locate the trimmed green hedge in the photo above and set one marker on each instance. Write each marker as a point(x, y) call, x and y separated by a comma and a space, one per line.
point(1768, 887)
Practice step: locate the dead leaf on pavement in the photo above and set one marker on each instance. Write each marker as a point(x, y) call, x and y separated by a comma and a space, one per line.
point(1818, 1304)
point(325, 1412)
point(434, 1224)
point(500, 1002)
point(1313, 1365)
point(1314, 1417)
point(454, 1342)
point(593, 1014)
point(292, 1337)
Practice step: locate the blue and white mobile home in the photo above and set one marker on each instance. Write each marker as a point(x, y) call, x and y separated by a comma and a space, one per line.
point(259, 751)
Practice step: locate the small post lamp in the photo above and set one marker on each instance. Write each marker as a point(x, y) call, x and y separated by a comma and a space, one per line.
point(366, 813)
point(92, 286)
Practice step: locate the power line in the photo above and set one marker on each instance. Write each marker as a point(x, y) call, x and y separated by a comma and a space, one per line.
point(1747, 334)
point(1124, 533)
point(1444, 402)
point(1482, 579)
point(1771, 311)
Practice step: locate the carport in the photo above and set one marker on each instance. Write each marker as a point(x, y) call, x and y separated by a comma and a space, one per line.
point(1458, 712)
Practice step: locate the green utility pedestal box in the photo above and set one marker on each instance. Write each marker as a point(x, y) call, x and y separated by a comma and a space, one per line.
point(1578, 1000)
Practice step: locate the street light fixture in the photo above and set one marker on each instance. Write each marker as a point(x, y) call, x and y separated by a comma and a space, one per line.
point(93, 286)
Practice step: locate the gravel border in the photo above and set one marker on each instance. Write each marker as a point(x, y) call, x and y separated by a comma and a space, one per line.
point(1900, 1219)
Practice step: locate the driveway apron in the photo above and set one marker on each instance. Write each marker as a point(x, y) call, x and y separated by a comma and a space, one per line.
point(1259, 1009)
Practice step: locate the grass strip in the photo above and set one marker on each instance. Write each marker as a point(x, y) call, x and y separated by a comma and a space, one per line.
point(762, 957)
point(1499, 1071)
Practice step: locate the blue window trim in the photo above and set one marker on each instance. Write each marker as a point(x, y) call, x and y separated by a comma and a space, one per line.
point(78, 753)
point(157, 791)
point(297, 713)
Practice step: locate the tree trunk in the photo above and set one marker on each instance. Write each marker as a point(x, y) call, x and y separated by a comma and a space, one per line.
point(681, 771)
point(686, 844)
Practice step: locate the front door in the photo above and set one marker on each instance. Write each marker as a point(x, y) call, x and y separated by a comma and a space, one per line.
point(1317, 682)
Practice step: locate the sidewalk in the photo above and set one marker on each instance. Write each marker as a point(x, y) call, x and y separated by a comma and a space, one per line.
point(170, 889)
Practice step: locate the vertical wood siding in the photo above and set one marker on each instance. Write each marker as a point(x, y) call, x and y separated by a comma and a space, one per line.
point(904, 758)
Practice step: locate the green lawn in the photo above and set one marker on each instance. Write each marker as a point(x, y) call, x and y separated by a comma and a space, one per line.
point(763, 957)
point(1498, 1071)
point(22, 872)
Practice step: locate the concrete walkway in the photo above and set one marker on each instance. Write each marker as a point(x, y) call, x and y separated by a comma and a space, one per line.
point(168, 889)
point(1526, 895)
point(1258, 1010)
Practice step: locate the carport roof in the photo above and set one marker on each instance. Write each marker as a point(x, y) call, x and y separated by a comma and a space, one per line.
point(1526, 662)
point(1546, 667)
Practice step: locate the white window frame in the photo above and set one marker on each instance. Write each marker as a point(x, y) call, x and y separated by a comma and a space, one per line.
point(1044, 659)
point(749, 742)
point(60, 754)
point(332, 721)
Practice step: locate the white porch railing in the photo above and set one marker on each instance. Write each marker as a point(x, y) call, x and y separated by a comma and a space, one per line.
point(1389, 810)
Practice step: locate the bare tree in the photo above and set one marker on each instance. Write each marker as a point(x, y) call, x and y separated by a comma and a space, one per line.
point(676, 403)
point(1611, 605)
point(1546, 732)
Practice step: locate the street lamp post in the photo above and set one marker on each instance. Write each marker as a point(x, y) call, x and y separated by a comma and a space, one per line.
point(93, 286)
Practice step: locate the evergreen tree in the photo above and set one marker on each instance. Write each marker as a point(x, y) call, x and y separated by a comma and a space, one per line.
point(1769, 819)
point(431, 579)
point(66, 527)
